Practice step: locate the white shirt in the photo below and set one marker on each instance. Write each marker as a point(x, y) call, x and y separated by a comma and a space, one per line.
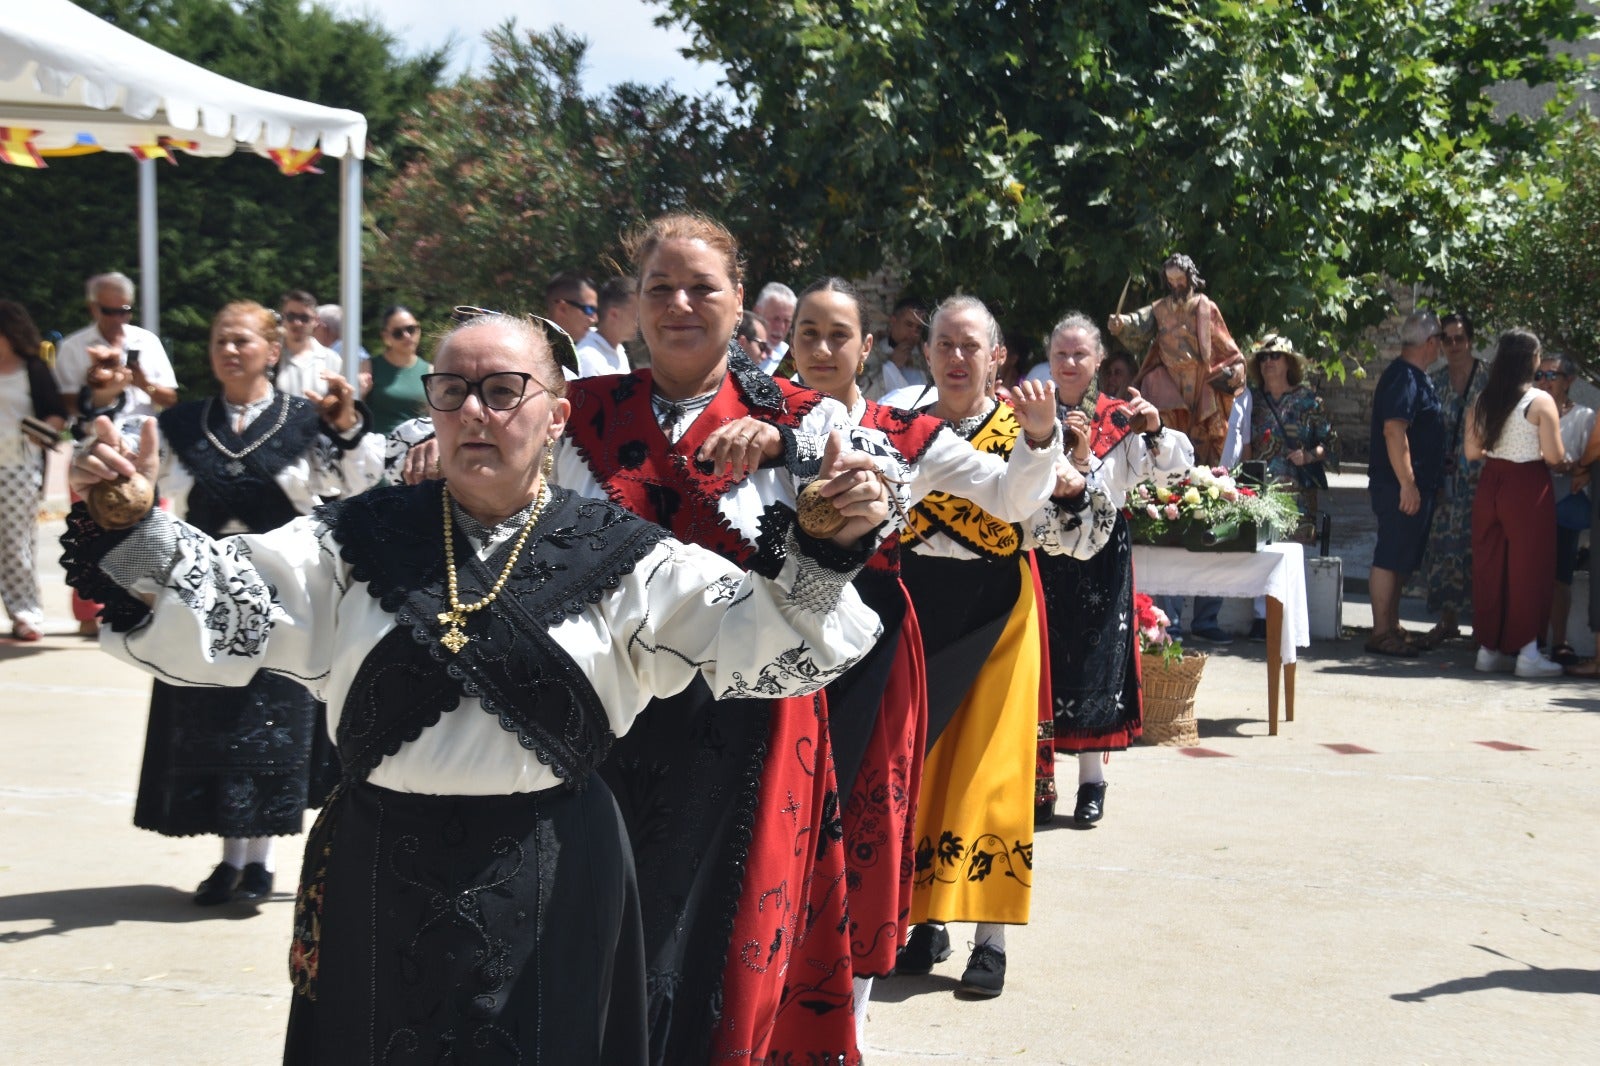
point(911, 397)
point(299, 374)
point(1238, 429)
point(775, 354)
point(1039, 372)
point(895, 377)
point(598, 356)
point(1575, 427)
point(73, 363)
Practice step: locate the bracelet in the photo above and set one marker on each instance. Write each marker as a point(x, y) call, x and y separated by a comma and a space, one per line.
point(1038, 445)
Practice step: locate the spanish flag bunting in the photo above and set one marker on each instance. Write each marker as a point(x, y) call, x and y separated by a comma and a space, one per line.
point(292, 161)
point(84, 145)
point(16, 147)
point(163, 149)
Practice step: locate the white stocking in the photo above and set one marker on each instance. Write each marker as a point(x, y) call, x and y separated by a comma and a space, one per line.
point(1091, 767)
point(861, 987)
point(233, 849)
point(259, 849)
point(990, 933)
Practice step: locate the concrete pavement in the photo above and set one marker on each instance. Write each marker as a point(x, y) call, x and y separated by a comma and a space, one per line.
point(1426, 899)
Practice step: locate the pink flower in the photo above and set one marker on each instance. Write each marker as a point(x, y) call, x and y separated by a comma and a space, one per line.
point(1150, 509)
point(1171, 511)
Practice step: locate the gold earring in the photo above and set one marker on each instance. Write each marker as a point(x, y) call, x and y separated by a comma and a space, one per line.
point(548, 466)
point(861, 369)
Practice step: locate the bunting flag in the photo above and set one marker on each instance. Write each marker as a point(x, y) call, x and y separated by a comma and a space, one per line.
point(16, 147)
point(292, 161)
point(84, 145)
point(162, 149)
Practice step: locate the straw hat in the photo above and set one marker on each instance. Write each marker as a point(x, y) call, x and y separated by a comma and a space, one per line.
point(1277, 342)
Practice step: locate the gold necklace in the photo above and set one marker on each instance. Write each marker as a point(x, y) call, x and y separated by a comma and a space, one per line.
point(456, 616)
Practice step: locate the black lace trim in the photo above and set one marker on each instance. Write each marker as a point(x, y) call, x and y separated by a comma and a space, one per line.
point(245, 489)
point(758, 390)
point(84, 545)
point(582, 550)
point(902, 421)
point(772, 539)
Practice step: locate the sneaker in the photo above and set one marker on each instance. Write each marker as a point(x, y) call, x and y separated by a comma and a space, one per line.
point(255, 882)
point(1492, 662)
point(1258, 630)
point(985, 974)
point(1537, 666)
point(1213, 635)
point(927, 945)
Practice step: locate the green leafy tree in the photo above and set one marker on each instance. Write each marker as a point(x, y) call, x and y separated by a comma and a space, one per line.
point(517, 175)
point(1037, 153)
point(231, 228)
point(1538, 267)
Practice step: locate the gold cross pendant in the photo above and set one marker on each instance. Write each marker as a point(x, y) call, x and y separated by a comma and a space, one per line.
point(454, 639)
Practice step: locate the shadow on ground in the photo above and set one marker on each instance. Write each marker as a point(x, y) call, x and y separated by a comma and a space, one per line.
point(1563, 981)
point(900, 989)
point(70, 909)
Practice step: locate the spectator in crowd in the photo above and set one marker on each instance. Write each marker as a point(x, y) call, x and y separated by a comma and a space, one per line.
point(776, 305)
point(1117, 373)
point(571, 303)
point(1583, 475)
point(151, 384)
point(1288, 427)
point(1516, 429)
point(242, 763)
point(31, 416)
point(751, 333)
point(329, 331)
point(392, 382)
point(1404, 472)
point(601, 351)
point(1555, 375)
point(899, 359)
point(1447, 564)
point(306, 363)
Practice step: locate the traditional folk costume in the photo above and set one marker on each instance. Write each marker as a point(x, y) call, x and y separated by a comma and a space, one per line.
point(969, 579)
point(1094, 662)
point(468, 894)
point(731, 802)
point(878, 710)
point(245, 761)
point(1189, 345)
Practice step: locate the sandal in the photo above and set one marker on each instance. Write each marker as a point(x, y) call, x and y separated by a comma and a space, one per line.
point(1588, 668)
point(1392, 643)
point(1564, 653)
point(24, 632)
point(1437, 636)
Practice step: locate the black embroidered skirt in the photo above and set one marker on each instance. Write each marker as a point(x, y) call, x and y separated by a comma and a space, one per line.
point(234, 762)
point(1094, 673)
point(475, 929)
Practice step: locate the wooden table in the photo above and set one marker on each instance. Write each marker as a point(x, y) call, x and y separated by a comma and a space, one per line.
point(1277, 572)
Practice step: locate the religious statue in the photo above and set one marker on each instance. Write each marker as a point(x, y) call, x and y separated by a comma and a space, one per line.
point(1191, 369)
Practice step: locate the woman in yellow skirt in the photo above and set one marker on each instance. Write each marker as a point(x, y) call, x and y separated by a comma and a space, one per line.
point(967, 573)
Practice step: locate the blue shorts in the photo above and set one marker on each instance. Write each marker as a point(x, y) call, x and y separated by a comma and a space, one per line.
point(1402, 538)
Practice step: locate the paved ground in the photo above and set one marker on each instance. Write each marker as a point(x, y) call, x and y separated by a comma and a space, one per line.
point(1430, 898)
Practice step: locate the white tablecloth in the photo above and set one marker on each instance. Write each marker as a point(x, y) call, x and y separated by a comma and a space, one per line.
point(1278, 570)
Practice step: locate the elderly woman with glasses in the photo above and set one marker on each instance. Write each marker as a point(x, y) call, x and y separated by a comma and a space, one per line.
point(235, 753)
point(393, 381)
point(1447, 565)
point(482, 640)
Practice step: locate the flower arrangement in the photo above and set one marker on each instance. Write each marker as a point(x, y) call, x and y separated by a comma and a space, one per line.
point(1154, 636)
point(1208, 496)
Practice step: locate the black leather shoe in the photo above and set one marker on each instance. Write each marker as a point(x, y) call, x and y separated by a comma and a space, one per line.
point(255, 883)
point(986, 972)
point(927, 945)
point(1044, 811)
point(1091, 803)
point(218, 888)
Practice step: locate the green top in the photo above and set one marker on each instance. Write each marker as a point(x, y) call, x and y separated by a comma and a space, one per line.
point(396, 394)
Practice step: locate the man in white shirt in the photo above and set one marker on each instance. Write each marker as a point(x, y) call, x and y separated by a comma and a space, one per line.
point(151, 383)
point(329, 331)
point(776, 306)
point(601, 351)
point(898, 364)
point(571, 303)
point(304, 360)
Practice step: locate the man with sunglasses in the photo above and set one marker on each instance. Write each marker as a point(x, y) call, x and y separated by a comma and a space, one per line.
point(304, 358)
point(601, 352)
point(571, 303)
point(106, 346)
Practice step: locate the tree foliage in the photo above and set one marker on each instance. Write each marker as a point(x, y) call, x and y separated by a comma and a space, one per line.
point(1538, 268)
point(1038, 153)
point(517, 175)
point(231, 228)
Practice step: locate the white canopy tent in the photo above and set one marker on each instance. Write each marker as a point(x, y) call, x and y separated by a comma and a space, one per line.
point(72, 79)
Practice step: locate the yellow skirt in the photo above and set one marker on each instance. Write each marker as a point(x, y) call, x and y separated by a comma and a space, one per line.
point(974, 829)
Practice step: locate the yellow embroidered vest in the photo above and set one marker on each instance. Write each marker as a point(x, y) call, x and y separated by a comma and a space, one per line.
point(962, 520)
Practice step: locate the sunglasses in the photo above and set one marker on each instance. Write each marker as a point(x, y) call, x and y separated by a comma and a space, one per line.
point(588, 309)
point(560, 341)
point(501, 391)
point(1547, 375)
point(405, 331)
point(299, 318)
point(1268, 357)
point(120, 311)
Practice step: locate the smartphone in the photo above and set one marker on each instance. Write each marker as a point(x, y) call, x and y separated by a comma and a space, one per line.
point(133, 359)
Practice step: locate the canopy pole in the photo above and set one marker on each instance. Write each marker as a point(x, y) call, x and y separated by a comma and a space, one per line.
point(350, 263)
point(149, 267)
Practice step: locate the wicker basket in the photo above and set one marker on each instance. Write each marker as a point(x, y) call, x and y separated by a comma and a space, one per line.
point(1169, 699)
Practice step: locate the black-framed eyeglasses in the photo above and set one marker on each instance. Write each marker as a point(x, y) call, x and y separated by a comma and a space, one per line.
point(119, 311)
point(299, 318)
point(560, 340)
point(405, 331)
point(588, 309)
point(503, 390)
point(1547, 375)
